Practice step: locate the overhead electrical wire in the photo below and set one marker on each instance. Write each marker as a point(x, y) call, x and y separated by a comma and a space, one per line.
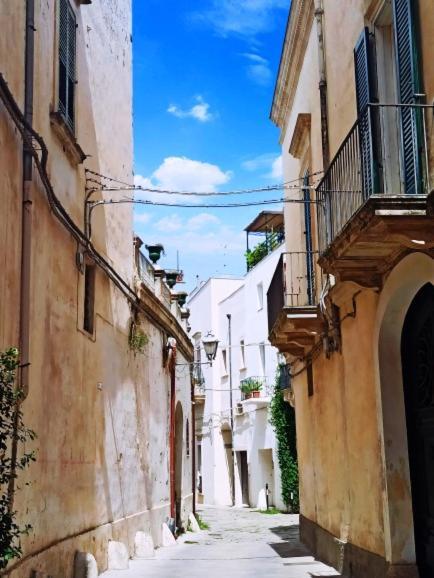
point(130, 187)
point(201, 205)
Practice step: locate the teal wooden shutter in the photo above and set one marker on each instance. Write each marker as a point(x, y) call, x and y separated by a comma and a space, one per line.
point(365, 95)
point(408, 86)
point(67, 64)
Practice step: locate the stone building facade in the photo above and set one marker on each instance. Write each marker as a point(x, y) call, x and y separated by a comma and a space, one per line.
point(235, 442)
point(104, 413)
point(352, 305)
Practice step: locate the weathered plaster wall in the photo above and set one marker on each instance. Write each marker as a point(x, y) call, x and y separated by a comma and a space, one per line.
point(101, 413)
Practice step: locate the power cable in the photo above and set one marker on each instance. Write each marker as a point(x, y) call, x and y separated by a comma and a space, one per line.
point(129, 186)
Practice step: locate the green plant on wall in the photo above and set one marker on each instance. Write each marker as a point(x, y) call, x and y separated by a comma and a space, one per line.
point(283, 421)
point(250, 385)
point(13, 434)
point(138, 339)
point(255, 255)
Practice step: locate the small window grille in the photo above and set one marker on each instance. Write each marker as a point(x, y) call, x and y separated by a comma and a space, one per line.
point(89, 298)
point(187, 437)
point(67, 62)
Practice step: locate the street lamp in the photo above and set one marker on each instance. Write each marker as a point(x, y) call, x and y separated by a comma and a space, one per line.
point(210, 344)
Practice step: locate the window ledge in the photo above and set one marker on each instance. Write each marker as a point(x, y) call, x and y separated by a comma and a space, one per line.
point(68, 140)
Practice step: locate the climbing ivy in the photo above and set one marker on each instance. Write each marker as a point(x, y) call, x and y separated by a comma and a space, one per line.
point(12, 434)
point(283, 421)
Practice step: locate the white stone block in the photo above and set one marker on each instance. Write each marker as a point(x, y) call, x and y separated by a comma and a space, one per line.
point(118, 558)
point(193, 523)
point(85, 565)
point(167, 538)
point(262, 500)
point(143, 545)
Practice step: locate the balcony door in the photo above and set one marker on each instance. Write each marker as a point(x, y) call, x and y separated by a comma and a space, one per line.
point(387, 73)
point(310, 264)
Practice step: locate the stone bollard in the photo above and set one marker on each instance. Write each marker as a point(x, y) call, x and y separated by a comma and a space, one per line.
point(193, 523)
point(118, 558)
point(143, 545)
point(167, 538)
point(85, 565)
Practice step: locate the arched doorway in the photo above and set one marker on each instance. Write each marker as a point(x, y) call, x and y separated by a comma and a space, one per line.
point(417, 351)
point(179, 445)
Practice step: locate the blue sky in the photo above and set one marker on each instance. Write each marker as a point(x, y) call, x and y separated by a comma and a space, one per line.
point(204, 76)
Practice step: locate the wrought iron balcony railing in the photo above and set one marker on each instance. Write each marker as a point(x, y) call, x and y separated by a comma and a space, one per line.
point(385, 152)
point(294, 284)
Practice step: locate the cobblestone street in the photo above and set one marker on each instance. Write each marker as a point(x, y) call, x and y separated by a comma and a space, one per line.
point(240, 543)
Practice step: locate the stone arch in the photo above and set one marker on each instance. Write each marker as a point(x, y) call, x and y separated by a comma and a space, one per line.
point(404, 282)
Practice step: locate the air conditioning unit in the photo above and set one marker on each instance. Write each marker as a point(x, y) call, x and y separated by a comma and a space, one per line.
point(239, 409)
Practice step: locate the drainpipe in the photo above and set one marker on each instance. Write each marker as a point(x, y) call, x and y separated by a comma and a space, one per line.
point(26, 241)
point(193, 440)
point(172, 433)
point(26, 225)
point(229, 316)
point(319, 16)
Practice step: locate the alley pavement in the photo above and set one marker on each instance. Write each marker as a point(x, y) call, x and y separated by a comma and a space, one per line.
point(240, 543)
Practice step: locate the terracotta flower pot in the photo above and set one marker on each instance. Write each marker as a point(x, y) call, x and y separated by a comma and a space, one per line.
point(256, 394)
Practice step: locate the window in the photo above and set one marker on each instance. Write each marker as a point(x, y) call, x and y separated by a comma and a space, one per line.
point(310, 271)
point(260, 292)
point(67, 62)
point(309, 369)
point(89, 298)
point(224, 362)
point(389, 57)
point(262, 357)
point(242, 355)
point(187, 438)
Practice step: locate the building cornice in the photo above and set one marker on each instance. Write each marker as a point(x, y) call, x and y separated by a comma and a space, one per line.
point(298, 29)
point(158, 314)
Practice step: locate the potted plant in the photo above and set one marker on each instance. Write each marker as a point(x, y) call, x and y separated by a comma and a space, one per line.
point(251, 387)
point(181, 297)
point(155, 252)
point(172, 277)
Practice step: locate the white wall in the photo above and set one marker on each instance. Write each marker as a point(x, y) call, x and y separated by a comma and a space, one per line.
point(209, 308)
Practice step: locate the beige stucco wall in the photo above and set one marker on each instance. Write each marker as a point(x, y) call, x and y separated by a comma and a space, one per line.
point(101, 413)
point(354, 479)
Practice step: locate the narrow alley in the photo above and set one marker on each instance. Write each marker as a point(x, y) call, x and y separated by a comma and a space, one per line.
point(241, 543)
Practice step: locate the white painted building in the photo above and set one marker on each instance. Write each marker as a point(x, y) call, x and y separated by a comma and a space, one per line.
point(234, 468)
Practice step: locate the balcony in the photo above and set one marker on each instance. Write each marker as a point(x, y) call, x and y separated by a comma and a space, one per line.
point(372, 204)
point(294, 320)
point(145, 270)
point(269, 225)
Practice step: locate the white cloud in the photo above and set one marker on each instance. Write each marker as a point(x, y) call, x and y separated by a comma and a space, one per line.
point(255, 57)
point(183, 174)
point(266, 162)
point(258, 70)
point(142, 218)
point(199, 111)
point(277, 169)
point(169, 224)
point(222, 239)
point(241, 17)
point(202, 220)
point(260, 162)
